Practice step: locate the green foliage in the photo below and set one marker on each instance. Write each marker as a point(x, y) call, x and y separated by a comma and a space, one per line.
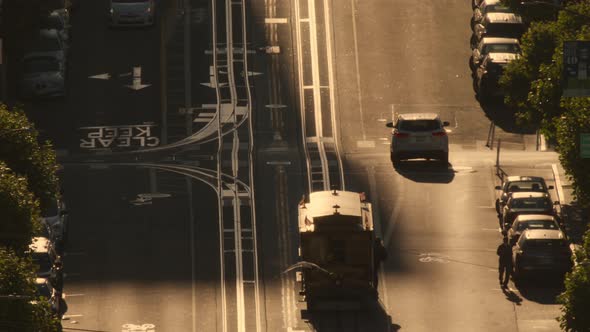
point(575, 300)
point(575, 120)
point(20, 211)
point(20, 310)
point(20, 149)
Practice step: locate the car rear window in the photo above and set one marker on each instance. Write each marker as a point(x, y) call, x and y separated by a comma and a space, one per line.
point(537, 224)
point(505, 29)
point(526, 186)
point(496, 9)
point(419, 125)
point(531, 203)
point(501, 48)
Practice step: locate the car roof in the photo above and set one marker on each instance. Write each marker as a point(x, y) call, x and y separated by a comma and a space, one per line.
point(39, 244)
point(527, 194)
point(499, 40)
point(550, 234)
point(418, 116)
point(490, 2)
point(513, 178)
point(40, 281)
point(528, 217)
point(509, 18)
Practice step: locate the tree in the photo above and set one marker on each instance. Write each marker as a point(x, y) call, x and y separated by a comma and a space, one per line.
point(20, 309)
point(21, 151)
point(20, 211)
point(575, 300)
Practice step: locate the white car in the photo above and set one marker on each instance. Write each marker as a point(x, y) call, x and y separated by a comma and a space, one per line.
point(137, 13)
point(489, 45)
point(507, 25)
point(43, 254)
point(487, 6)
point(419, 135)
point(43, 76)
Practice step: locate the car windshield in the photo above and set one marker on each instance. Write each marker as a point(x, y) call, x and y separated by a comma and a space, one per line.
point(43, 290)
point(531, 203)
point(46, 44)
point(42, 65)
point(419, 125)
point(50, 210)
point(517, 186)
point(52, 22)
point(496, 9)
point(501, 48)
point(537, 224)
point(42, 260)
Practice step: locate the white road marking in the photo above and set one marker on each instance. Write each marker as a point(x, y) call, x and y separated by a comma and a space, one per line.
point(357, 67)
point(274, 20)
point(543, 143)
point(365, 144)
point(72, 316)
point(73, 295)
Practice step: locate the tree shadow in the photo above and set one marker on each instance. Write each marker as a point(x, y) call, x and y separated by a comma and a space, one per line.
point(419, 170)
point(504, 117)
point(542, 288)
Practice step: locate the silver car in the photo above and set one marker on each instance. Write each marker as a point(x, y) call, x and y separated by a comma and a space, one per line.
point(419, 135)
point(132, 13)
point(493, 45)
point(43, 76)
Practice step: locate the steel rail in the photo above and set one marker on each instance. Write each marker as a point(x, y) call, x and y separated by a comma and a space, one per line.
point(251, 172)
point(318, 141)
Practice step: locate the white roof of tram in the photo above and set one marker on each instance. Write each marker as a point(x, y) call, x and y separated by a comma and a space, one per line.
point(335, 203)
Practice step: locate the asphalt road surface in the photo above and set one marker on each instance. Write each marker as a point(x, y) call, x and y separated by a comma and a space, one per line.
point(144, 249)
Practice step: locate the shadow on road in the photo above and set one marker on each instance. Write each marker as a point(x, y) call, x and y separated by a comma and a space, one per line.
point(512, 296)
point(419, 170)
point(373, 318)
point(504, 118)
point(542, 289)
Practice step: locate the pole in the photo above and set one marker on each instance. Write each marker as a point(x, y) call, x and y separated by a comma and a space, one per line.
point(498, 153)
point(3, 71)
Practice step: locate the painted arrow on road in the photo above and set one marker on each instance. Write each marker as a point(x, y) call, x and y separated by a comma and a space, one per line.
point(104, 76)
point(136, 85)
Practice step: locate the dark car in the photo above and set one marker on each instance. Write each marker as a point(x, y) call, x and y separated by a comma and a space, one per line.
point(507, 25)
point(488, 75)
point(541, 250)
point(518, 183)
point(526, 203)
point(530, 221)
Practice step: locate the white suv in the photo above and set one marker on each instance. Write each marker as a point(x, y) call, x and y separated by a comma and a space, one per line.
point(419, 135)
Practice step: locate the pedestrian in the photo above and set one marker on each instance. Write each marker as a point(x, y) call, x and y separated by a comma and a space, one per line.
point(379, 255)
point(504, 253)
point(57, 275)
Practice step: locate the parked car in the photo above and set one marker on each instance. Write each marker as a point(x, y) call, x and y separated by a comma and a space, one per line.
point(48, 43)
point(43, 254)
point(530, 221)
point(543, 250)
point(55, 216)
point(132, 13)
point(43, 76)
point(526, 203)
point(487, 6)
point(419, 135)
point(519, 183)
point(491, 45)
point(507, 25)
point(58, 20)
point(44, 288)
point(487, 77)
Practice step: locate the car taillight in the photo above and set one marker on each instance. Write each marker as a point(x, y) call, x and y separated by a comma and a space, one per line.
point(439, 133)
point(401, 135)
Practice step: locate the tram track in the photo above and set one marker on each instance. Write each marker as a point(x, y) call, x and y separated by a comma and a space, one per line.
point(317, 104)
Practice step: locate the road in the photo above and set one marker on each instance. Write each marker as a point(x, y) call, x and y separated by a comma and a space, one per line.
point(145, 243)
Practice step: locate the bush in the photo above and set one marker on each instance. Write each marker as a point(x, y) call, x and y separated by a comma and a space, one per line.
point(575, 300)
point(20, 310)
point(20, 211)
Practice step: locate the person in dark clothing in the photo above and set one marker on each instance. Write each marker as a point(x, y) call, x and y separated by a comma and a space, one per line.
point(379, 255)
point(56, 276)
point(504, 253)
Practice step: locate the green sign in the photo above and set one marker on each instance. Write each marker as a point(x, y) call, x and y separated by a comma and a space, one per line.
point(585, 145)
